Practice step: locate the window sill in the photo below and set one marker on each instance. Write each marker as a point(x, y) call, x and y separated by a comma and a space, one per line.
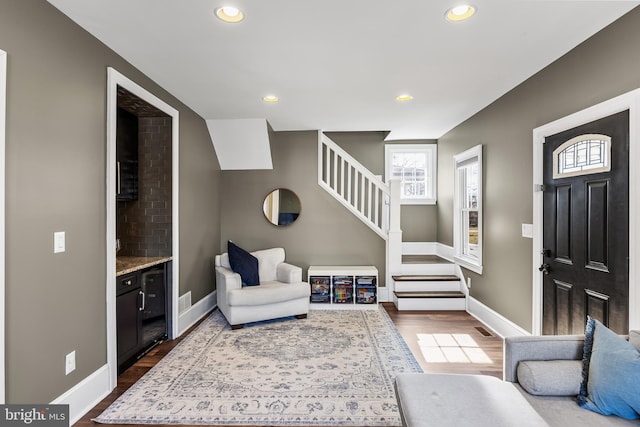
point(463, 262)
point(417, 202)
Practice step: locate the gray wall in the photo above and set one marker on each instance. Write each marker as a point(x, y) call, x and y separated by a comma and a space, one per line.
point(325, 233)
point(55, 181)
point(603, 67)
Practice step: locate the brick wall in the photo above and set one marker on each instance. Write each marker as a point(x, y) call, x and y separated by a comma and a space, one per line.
point(144, 225)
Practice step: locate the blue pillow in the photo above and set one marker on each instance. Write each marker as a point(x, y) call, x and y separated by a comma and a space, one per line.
point(243, 263)
point(611, 375)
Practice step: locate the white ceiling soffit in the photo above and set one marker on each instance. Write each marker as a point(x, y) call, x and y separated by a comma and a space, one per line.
point(241, 144)
point(339, 65)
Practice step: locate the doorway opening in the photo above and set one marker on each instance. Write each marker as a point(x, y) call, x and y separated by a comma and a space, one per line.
point(122, 92)
point(631, 102)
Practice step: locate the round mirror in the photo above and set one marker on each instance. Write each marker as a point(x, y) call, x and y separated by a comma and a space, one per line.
point(281, 207)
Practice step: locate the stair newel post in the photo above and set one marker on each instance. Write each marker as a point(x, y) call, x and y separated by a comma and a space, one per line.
point(394, 240)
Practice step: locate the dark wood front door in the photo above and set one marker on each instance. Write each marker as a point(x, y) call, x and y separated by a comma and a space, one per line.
point(586, 227)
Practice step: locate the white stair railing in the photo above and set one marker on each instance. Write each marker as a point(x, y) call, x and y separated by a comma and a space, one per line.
point(353, 185)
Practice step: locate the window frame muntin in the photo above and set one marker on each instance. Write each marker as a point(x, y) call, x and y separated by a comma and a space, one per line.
point(575, 140)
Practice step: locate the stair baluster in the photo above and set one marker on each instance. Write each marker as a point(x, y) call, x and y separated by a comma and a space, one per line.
point(353, 185)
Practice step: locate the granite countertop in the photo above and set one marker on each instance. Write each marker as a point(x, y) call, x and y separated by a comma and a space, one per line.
point(129, 264)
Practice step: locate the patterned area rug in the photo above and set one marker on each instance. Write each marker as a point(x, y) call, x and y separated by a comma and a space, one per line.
point(334, 368)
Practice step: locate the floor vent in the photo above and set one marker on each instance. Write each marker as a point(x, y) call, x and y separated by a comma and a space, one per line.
point(483, 331)
point(184, 302)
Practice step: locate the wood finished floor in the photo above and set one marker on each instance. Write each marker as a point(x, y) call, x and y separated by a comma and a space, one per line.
point(418, 328)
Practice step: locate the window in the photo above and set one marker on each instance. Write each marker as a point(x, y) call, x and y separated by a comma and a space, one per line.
point(467, 225)
point(415, 166)
point(582, 155)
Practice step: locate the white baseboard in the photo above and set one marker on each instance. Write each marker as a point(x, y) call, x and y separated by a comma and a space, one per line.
point(82, 397)
point(196, 312)
point(383, 294)
point(428, 248)
point(494, 320)
point(444, 251)
point(419, 248)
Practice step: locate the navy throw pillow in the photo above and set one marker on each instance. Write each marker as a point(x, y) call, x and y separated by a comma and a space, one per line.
point(611, 375)
point(243, 263)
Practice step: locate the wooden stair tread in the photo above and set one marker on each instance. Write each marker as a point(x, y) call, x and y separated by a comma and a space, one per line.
point(429, 294)
point(425, 278)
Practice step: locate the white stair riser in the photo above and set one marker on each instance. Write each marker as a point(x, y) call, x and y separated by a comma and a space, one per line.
point(433, 269)
point(445, 304)
point(432, 285)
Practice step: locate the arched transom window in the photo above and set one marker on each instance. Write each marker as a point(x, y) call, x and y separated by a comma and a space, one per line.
point(582, 155)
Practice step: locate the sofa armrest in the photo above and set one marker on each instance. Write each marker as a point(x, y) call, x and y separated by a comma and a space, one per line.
point(548, 347)
point(226, 280)
point(288, 273)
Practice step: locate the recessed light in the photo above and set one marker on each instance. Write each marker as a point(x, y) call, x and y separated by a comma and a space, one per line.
point(460, 13)
point(229, 14)
point(404, 97)
point(270, 98)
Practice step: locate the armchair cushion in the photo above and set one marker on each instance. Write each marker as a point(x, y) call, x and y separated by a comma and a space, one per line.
point(268, 261)
point(288, 273)
point(243, 263)
point(267, 293)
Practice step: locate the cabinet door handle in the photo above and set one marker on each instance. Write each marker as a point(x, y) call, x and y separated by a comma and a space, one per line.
point(118, 178)
point(143, 301)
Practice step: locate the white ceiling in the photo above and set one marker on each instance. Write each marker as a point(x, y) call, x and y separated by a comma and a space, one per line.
point(338, 65)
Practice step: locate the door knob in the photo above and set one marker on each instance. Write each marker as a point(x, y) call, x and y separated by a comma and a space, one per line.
point(545, 268)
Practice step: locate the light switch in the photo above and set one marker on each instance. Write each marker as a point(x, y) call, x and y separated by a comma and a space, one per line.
point(527, 230)
point(58, 242)
point(70, 363)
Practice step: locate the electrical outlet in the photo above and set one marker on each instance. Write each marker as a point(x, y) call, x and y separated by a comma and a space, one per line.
point(70, 363)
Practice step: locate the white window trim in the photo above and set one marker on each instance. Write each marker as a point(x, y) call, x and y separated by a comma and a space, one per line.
point(463, 260)
point(432, 151)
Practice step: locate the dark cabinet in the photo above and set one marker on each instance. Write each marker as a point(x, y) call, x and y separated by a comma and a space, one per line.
point(141, 313)
point(129, 319)
point(154, 308)
point(126, 156)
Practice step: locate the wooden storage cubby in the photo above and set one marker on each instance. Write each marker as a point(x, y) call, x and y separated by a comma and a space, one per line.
point(366, 290)
point(343, 286)
point(320, 289)
point(342, 289)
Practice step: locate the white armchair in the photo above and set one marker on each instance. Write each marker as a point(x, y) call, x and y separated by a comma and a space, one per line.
point(281, 292)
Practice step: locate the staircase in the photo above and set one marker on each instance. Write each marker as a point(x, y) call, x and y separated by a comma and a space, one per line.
point(414, 281)
point(432, 285)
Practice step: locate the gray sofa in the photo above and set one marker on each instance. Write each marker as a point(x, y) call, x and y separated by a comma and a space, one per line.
point(551, 368)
